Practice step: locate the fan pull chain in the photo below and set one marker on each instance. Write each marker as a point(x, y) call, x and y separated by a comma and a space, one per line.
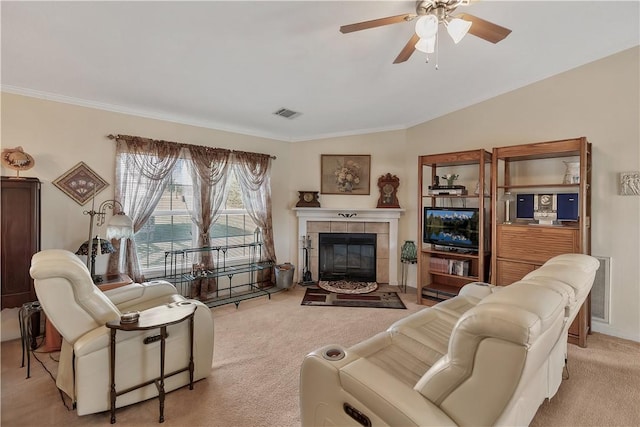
point(437, 50)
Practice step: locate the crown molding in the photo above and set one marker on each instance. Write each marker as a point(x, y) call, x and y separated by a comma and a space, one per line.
point(155, 115)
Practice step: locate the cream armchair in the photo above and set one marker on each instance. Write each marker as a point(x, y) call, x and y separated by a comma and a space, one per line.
point(79, 311)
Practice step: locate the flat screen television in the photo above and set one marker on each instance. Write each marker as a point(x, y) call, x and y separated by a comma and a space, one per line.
point(453, 227)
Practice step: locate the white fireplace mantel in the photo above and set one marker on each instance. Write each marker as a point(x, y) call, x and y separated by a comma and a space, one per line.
point(386, 215)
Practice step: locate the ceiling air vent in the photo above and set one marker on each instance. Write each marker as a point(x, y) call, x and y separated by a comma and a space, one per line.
point(286, 113)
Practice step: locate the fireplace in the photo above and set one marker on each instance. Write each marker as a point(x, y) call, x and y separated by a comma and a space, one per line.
point(347, 256)
point(383, 223)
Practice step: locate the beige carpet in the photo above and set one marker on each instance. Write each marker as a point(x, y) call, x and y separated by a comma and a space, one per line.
point(258, 351)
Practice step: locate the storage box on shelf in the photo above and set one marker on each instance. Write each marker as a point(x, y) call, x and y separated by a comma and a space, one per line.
point(547, 186)
point(461, 258)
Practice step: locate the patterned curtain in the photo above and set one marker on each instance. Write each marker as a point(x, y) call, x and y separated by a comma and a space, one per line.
point(209, 174)
point(254, 176)
point(143, 170)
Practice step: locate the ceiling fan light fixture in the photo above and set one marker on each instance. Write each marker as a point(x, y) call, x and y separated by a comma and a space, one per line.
point(427, 26)
point(457, 29)
point(426, 45)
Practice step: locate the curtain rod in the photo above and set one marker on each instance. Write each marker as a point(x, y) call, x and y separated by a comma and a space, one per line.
point(131, 137)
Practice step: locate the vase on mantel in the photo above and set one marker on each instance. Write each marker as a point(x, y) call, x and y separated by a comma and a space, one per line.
point(408, 252)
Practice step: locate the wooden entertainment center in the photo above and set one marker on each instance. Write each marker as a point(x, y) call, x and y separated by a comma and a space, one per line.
point(436, 281)
point(522, 246)
point(549, 212)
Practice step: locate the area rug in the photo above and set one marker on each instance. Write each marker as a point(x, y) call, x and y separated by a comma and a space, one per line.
point(379, 299)
point(346, 287)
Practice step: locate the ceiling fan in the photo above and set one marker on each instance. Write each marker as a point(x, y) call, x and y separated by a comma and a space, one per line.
point(430, 14)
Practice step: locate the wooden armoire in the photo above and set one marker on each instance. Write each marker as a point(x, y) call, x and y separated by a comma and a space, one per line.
point(20, 217)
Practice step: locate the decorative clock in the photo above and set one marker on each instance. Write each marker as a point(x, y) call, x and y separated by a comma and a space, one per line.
point(308, 199)
point(388, 185)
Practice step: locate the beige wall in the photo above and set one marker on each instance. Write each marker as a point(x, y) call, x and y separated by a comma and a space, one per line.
point(60, 135)
point(599, 100)
point(387, 156)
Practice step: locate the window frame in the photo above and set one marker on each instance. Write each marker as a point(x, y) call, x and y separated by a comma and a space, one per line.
point(159, 270)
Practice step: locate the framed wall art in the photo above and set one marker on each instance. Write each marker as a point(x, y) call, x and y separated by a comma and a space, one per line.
point(345, 174)
point(80, 183)
point(630, 183)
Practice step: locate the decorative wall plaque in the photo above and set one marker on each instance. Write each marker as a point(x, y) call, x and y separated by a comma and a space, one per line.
point(630, 183)
point(80, 183)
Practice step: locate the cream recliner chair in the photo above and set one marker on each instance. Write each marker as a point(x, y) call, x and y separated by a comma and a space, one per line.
point(79, 311)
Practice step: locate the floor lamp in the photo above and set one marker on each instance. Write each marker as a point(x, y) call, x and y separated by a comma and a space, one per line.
point(120, 226)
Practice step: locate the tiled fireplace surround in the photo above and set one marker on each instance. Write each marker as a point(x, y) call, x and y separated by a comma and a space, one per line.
point(382, 222)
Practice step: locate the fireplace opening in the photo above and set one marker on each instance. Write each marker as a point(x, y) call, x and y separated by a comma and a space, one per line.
point(347, 256)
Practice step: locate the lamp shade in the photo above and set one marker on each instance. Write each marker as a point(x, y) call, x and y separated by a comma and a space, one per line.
point(508, 196)
point(457, 29)
point(409, 252)
point(426, 45)
point(120, 227)
point(99, 247)
point(427, 26)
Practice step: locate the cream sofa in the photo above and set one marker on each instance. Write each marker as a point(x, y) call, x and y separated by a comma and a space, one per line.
point(79, 311)
point(489, 356)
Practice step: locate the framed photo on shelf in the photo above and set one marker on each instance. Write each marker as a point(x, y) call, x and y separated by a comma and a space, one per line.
point(345, 174)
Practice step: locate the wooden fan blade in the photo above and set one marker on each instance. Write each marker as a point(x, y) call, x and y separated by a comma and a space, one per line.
point(376, 23)
point(484, 29)
point(407, 50)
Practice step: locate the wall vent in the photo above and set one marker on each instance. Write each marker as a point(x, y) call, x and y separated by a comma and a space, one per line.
point(286, 113)
point(601, 291)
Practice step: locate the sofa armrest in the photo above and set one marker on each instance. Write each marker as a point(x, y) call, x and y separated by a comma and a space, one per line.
point(326, 384)
point(389, 398)
point(135, 293)
point(99, 339)
point(478, 289)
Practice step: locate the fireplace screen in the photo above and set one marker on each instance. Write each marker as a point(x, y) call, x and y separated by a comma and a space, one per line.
point(347, 256)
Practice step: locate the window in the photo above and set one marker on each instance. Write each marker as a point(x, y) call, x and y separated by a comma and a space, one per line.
point(234, 226)
point(170, 227)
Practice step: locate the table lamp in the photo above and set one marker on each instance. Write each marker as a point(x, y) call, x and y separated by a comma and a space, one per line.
point(508, 198)
point(98, 246)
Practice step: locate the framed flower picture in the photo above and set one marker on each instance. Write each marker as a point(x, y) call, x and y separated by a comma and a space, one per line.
point(345, 174)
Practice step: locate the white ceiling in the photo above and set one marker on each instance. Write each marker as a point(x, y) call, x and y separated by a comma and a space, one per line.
point(230, 65)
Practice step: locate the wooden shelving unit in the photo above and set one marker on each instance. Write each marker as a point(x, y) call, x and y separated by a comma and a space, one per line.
point(523, 245)
point(473, 166)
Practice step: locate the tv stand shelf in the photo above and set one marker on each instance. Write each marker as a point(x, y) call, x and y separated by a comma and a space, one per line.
point(438, 292)
point(453, 251)
point(466, 279)
point(441, 271)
